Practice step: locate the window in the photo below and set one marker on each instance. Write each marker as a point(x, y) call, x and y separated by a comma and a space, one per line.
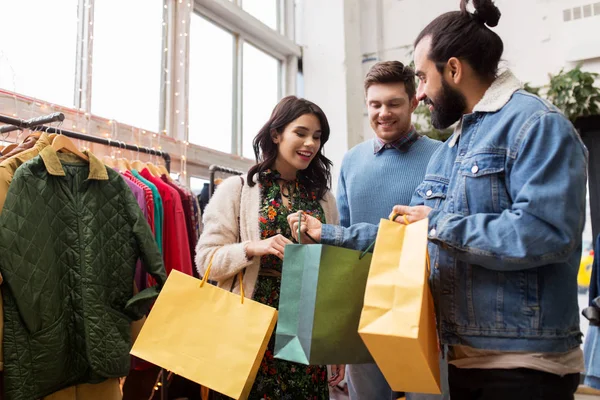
point(567, 15)
point(260, 93)
point(577, 13)
point(211, 85)
point(596, 8)
point(126, 65)
point(41, 62)
point(266, 11)
point(587, 11)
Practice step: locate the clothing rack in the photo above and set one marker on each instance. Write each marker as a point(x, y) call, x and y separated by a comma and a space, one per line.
point(216, 168)
point(37, 124)
point(16, 123)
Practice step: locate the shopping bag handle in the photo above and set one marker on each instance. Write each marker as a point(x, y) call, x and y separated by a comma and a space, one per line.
point(205, 277)
point(299, 234)
point(392, 218)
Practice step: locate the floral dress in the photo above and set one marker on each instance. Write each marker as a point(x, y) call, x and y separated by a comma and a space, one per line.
point(279, 379)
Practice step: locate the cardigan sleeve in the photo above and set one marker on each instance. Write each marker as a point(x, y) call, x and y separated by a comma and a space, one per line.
point(220, 241)
point(332, 215)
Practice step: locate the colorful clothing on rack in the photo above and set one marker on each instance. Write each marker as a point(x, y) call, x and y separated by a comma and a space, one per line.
point(158, 209)
point(176, 250)
point(80, 221)
point(148, 196)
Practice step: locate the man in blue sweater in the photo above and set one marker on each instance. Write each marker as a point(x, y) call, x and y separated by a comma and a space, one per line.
point(375, 176)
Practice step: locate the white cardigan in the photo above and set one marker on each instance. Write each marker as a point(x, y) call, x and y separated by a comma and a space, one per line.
point(221, 237)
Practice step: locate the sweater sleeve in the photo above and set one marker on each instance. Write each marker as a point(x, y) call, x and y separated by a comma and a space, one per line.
point(219, 241)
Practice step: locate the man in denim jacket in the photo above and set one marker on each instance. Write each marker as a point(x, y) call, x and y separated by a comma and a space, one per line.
point(505, 198)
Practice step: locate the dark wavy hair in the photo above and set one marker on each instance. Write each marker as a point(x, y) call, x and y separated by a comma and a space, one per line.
point(317, 176)
point(466, 36)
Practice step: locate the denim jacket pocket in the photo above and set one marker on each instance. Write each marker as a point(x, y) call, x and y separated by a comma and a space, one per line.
point(432, 192)
point(483, 184)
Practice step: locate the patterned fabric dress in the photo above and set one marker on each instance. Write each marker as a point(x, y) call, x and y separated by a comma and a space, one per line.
point(279, 379)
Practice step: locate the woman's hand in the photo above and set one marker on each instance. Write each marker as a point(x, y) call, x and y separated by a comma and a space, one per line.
point(338, 372)
point(274, 245)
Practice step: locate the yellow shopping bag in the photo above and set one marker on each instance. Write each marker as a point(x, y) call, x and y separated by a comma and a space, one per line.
point(206, 334)
point(397, 322)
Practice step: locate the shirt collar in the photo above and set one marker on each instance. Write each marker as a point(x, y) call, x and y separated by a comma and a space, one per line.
point(52, 161)
point(401, 144)
point(494, 99)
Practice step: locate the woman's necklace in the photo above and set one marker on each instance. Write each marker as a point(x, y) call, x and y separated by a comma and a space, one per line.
point(289, 185)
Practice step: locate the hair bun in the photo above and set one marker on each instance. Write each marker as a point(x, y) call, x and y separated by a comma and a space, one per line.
point(486, 12)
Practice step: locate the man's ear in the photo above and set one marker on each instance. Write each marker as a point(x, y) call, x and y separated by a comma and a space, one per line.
point(414, 103)
point(455, 70)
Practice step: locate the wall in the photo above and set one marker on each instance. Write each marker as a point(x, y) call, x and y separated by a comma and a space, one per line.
point(537, 41)
point(329, 32)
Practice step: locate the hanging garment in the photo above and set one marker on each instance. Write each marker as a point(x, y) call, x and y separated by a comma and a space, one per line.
point(70, 235)
point(176, 249)
point(7, 171)
point(158, 209)
point(107, 390)
point(147, 196)
point(26, 144)
point(188, 212)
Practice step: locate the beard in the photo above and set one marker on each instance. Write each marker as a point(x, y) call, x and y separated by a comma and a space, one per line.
point(448, 107)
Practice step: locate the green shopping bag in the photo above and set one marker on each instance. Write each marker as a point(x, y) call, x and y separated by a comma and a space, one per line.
point(321, 299)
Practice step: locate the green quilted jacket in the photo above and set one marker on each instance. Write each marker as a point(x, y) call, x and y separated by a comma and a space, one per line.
point(70, 235)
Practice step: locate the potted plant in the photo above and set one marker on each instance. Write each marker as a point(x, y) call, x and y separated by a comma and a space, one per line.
point(576, 94)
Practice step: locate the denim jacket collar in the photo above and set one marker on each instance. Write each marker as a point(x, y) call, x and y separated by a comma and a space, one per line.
point(496, 97)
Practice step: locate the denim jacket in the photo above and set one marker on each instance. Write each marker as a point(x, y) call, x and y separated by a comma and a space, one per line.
point(508, 194)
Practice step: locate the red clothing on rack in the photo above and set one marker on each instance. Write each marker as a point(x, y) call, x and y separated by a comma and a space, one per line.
point(188, 210)
point(175, 238)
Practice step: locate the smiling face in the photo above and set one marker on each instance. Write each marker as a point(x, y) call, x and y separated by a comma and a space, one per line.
point(390, 110)
point(298, 145)
point(446, 103)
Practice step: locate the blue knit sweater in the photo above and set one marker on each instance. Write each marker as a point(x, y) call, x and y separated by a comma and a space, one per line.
point(370, 185)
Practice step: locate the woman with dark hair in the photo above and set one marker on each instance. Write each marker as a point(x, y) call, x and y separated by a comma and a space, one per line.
point(246, 229)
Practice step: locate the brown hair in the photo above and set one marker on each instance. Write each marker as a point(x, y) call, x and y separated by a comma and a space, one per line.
point(392, 72)
point(466, 36)
point(317, 176)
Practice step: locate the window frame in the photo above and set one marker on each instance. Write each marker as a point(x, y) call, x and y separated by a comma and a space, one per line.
point(230, 16)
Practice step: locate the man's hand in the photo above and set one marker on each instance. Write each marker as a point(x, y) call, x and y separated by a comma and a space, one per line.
point(407, 215)
point(310, 225)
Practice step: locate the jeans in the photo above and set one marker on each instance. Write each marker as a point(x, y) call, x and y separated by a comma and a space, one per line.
point(366, 382)
point(513, 384)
